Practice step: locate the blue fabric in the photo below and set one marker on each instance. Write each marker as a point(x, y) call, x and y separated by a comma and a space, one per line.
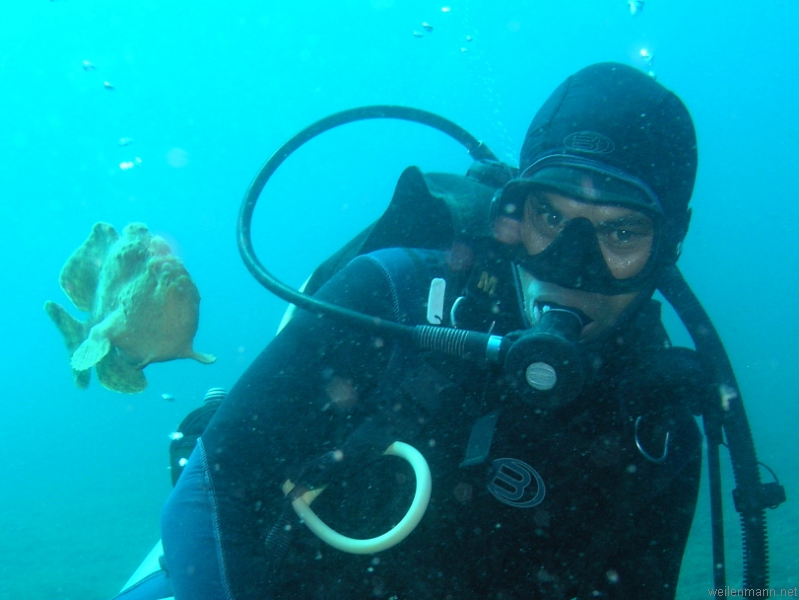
point(191, 535)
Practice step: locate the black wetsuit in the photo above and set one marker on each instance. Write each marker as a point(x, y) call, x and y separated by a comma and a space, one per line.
point(605, 520)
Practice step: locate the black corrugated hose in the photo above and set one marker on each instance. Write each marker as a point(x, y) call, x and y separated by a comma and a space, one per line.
point(751, 496)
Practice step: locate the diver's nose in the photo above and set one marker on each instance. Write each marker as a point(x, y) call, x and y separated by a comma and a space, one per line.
point(577, 239)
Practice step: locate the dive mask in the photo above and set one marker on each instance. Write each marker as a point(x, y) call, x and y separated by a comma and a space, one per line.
point(584, 249)
point(581, 257)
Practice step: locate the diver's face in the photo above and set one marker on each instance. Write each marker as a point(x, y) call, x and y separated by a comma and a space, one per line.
point(625, 238)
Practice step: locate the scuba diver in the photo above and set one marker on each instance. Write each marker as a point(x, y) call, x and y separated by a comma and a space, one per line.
point(571, 471)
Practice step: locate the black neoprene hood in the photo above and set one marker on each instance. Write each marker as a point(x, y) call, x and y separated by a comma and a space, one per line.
point(611, 134)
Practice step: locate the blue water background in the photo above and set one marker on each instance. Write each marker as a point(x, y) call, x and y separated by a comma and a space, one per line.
point(207, 90)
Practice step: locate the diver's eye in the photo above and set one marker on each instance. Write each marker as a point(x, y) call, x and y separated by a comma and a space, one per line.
point(553, 219)
point(624, 238)
point(547, 219)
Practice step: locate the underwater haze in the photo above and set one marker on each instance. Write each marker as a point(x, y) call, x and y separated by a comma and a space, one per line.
point(163, 112)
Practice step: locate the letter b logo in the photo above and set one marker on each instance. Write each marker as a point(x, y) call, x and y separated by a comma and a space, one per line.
point(511, 482)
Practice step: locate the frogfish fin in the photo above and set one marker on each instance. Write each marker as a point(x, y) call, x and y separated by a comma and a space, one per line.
point(118, 375)
point(92, 350)
point(202, 357)
point(74, 333)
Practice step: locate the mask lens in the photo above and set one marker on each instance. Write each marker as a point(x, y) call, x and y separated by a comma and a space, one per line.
point(626, 244)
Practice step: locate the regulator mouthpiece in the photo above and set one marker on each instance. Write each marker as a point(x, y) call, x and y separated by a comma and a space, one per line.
point(545, 363)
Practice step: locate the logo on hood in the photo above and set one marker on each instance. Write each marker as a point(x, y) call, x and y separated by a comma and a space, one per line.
point(590, 142)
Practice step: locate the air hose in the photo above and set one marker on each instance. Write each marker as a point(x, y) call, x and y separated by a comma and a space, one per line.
point(470, 345)
point(727, 412)
point(477, 150)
